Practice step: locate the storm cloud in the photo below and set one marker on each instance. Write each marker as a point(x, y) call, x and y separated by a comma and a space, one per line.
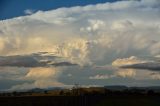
point(108, 43)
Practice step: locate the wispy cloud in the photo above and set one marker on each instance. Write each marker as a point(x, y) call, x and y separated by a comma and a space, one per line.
point(29, 11)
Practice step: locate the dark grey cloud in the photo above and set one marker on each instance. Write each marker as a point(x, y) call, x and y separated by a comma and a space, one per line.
point(1, 32)
point(6, 83)
point(153, 66)
point(34, 60)
point(63, 64)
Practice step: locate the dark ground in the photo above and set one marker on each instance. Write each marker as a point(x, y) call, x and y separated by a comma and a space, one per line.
point(101, 100)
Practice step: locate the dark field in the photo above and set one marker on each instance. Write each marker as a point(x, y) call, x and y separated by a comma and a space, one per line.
point(130, 101)
point(94, 96)
point(136, 100)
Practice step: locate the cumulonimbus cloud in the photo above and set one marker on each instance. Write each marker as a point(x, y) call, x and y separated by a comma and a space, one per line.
point(92, 35)
point(84, 35)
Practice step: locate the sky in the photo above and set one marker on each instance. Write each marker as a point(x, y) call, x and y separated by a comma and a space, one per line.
point(88, 43)
point(14, 8)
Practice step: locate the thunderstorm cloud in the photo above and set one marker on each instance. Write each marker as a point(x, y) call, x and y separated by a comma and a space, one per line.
point(107, 43)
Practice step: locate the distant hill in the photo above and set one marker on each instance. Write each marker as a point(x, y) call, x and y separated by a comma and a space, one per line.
point(45, 89)
point(122, 87)
point(36, 90)
point(116, 87)
point(154, 88)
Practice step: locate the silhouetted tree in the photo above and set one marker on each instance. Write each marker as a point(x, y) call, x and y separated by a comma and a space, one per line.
point(61, 92)
point(150, 92)
point(46, 92)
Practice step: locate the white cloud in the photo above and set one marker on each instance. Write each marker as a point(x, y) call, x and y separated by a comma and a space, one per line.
point(94, 25)
point(76, 50)
point(100, 77)
point(157, 56)
point(41, 73)
point(155, 76)
point(37, 84)
point(126, 73)
point(41, 77)
point(69, 75)
point(122, 25)
point(116, 34)
point(127, 61)
point(29, 11)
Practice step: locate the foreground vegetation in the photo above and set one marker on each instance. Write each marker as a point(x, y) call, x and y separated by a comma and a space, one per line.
point(94, 96)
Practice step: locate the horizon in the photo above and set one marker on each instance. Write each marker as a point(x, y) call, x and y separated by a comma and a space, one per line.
point(107, 87)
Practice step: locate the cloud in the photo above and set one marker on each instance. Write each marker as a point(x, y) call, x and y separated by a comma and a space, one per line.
point(33, 60)
point(40, 73)
point(83, 36)
point(155, 76)
point(122, 25)
point(29, 11)
point(127, 61)
point(75, 51)
point(93, 35)
point(126, 73)
point(153, 66)
point(36, 84)
point(158, 56)
point(12, 73)
point(93, 27)
point(137, 63)
point(41, 77)
point(101, 77)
